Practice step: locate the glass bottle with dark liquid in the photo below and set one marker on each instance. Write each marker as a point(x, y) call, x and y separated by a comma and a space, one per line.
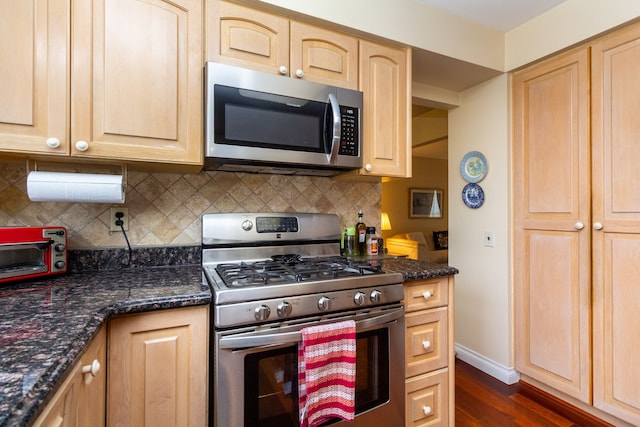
point(361, 235)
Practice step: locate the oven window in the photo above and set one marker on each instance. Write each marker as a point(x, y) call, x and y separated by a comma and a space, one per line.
point(21, 258)
point(271, 379)
point(271, 388)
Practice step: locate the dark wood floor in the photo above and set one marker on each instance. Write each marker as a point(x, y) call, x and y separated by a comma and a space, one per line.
point(482, 400)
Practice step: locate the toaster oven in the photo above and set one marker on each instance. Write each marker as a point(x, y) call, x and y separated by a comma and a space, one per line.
point(30, 252)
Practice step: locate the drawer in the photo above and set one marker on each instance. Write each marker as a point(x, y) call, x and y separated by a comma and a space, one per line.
point(427, 400)
point(426, 293)
point(426, 341)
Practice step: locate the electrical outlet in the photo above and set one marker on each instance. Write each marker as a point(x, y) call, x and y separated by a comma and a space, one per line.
point(488, 239)
point(115, 217)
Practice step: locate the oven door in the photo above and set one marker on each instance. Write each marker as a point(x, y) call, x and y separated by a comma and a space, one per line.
point(255, 372)
point(18, 260)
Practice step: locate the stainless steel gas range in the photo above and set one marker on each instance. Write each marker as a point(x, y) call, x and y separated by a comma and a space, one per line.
point(273, 274)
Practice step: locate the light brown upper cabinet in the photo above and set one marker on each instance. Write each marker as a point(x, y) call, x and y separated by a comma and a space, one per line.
point(577, 222)
point(385, 81)
point(249, 38)
point(123, 84)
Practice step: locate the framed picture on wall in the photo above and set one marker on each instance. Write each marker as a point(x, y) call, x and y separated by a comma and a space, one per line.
point(425, 203)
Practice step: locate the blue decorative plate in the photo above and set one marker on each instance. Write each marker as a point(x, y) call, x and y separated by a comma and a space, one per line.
point(473, 195)
point(473, 166)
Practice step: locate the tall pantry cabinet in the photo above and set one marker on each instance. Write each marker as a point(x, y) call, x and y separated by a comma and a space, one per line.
point(577, 223)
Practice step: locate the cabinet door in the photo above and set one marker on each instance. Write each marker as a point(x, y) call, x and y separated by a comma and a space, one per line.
point(158, 368)
point(552, 216)
point(34, 71)
point(245, 37)
point(616, 206)
point(137, 80)
point(323, 56)
point(385, 83)
point(61, 411)
point(92, 396)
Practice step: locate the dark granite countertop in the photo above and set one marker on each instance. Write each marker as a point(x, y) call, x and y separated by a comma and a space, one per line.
point(415, 270)
point(46, 325)
point(410, 269)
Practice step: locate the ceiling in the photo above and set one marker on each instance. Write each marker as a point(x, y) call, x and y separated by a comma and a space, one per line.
point(502, 15)
point(448, 73)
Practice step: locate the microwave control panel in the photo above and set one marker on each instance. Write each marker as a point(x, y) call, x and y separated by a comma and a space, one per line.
point(350, 131)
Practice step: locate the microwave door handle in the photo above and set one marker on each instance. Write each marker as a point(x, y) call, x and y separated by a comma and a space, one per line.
point(336, 131)
point(296, 336)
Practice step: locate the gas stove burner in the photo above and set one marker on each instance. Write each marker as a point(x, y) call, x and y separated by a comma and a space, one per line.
point(287, 259)
point(291, 269)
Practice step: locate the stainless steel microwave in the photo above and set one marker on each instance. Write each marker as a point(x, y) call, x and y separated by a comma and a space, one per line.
point(261, 122)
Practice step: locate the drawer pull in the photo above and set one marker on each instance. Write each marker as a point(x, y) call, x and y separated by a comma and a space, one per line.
point(427, 294)
point(92, 369)
point(427, 410)
point(426, 344)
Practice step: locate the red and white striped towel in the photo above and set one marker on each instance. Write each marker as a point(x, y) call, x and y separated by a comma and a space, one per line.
point(327, 373)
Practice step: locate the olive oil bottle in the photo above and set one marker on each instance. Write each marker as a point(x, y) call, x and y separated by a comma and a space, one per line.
point(361, 235)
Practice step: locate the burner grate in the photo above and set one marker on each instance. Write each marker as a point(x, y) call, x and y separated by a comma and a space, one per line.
point(291, 269)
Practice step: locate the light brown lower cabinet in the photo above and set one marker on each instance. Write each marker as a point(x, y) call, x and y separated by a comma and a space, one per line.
point(429, 352)
point(80, 400)
point(158, 368)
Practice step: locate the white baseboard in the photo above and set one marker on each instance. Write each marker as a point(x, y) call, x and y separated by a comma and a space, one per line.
point(488, 366)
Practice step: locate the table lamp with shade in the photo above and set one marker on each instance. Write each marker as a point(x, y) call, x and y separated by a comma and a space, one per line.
point(385, 225)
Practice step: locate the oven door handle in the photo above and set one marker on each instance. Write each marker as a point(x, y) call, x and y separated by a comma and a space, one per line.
point(296, 336)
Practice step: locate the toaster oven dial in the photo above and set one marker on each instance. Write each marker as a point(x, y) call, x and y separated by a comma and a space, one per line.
point(59, 247)
point(284, 309)
point(262, 312)
point(359, 298)
point(59, 265)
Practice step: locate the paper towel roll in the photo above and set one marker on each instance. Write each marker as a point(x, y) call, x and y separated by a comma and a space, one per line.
point(75, 187)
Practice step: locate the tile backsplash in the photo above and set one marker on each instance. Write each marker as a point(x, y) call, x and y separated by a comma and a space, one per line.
point(165, 208)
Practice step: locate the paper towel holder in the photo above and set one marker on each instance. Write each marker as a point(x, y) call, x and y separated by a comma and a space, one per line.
point(32, 166)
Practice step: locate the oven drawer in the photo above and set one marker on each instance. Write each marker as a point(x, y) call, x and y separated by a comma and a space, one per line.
point(426, 293)
point(427, 397)
point(426, 341)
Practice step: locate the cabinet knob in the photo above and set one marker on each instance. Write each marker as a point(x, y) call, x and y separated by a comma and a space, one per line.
point(91, 369)
point(283, 70)
point(579, 225)
point(53, 142)
point(426, 344)
point(427, 410)
point(427, 294)
point(597, 226)
point(368, 167)
point(82, 145)
point(299, 73)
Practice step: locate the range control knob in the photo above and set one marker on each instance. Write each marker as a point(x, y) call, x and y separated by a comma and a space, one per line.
point(284, 309)
point(375, 296)
point(262, 312)
point(323, 303)
point(247, 225)
point(59, 247)
point(59, 265)
point(359, 298)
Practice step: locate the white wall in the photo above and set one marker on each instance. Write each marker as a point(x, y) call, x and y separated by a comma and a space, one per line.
point(483, 292)
point(565, 25)
point(409, 22)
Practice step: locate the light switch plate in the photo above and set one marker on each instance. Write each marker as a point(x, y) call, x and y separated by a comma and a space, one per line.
point(488, 239)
